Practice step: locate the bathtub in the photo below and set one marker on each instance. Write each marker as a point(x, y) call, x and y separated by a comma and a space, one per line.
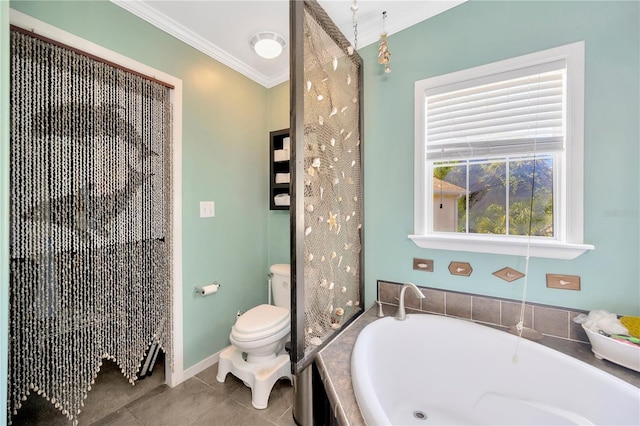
point(435, 370)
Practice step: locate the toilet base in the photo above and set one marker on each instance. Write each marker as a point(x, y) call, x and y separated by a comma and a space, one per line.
point(259, 377)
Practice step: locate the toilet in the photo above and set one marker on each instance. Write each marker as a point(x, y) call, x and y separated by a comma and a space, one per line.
point(257, 355)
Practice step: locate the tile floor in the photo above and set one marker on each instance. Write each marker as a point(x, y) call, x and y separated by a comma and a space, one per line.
point(201, 400)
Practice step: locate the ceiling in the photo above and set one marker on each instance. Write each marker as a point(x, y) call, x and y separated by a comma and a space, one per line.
point(222, 29)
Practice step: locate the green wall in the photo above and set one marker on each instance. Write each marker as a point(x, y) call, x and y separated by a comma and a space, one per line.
point(480, 32)
point(224, 159)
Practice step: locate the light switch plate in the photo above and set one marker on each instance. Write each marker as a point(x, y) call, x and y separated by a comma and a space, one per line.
point(207, 209)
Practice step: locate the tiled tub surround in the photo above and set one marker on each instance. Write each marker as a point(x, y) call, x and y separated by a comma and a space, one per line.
point(334, 360)
point(548, 320)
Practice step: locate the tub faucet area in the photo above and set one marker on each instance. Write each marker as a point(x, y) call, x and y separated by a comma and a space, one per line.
point(401, 314)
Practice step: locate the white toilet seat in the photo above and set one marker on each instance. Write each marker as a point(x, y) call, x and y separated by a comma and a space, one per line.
point(260, 323)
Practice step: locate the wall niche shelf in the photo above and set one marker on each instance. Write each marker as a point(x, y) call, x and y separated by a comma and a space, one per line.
point(279, 170)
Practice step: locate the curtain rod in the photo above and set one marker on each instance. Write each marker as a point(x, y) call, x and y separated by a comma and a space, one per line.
point(89, 55)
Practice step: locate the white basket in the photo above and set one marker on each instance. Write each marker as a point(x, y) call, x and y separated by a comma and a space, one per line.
point(604, 347)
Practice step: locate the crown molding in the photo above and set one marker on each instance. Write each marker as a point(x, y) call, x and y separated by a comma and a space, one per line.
point(397, 23)
point(366, 36)
point(168, 25)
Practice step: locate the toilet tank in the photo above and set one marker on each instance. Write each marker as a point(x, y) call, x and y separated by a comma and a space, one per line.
point(281, 285)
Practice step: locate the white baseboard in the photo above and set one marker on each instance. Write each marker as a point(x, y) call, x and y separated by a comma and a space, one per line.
point(201, 366)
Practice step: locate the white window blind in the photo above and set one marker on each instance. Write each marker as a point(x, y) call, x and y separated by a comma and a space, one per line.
point(516, 112)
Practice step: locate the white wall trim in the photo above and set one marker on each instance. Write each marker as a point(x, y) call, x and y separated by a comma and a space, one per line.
point(397, 23)
point(182, 33)
point(512, 246)
point(174, 374)
point(202, 365)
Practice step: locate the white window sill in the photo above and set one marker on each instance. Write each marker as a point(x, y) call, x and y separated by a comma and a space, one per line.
point(551, 249)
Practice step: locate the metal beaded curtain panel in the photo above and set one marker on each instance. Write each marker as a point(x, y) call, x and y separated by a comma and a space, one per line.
point(90, 222)
point(327, 212)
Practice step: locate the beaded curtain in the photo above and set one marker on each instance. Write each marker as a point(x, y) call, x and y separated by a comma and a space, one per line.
point(90, 222)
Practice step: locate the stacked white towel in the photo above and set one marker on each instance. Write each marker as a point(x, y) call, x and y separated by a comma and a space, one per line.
point(281, 155)
point(283, 177)
point(281, 200)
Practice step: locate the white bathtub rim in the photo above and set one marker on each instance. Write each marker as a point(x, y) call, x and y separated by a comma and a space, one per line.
point(374, 414)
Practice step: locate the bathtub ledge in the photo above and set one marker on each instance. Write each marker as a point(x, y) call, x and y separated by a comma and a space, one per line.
point(334, 364)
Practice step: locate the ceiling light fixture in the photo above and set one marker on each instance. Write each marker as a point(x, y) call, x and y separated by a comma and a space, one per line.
point(268, 44)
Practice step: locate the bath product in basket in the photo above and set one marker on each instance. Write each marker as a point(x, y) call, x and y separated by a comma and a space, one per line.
point(632, 324)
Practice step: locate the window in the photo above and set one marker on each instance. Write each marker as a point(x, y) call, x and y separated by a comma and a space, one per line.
point(498, 157)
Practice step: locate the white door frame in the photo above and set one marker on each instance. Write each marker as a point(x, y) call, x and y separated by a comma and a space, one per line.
point(174, 374)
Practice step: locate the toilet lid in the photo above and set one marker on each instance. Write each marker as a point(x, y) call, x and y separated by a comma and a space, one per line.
point(260, 322)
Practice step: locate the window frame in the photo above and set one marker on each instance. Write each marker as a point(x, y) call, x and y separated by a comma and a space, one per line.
point(568, 243)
